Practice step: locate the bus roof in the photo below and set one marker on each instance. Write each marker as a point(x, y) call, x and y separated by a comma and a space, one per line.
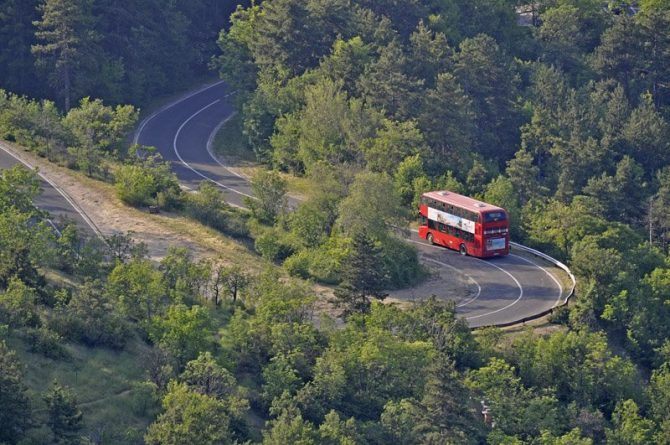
point(462, 201)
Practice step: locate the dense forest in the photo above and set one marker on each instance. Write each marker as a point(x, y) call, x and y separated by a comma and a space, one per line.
point(558, 111)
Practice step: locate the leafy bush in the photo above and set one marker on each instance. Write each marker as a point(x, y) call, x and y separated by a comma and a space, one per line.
point(297, 265)
point(209, 207)
point(44, 341)
point(323, 263)
point(91, 318)
point(140, 182)
point(401, 263)
point(274, 245)
point(134, 186)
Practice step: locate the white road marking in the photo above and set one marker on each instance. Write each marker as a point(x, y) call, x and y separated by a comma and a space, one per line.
point(209, 150)
point(492, 265)
point(504, 307)
point(560, 287)
point(187, 165)
point(76, 208)
point(479, 288)
point(210, 142)
point(168, 106)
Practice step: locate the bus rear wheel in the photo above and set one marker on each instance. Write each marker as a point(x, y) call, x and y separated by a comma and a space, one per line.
point(463, 250)
point(429, 238)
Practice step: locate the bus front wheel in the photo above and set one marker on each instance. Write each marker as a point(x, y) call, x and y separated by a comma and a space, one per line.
point(463, 250)
point(429, 238)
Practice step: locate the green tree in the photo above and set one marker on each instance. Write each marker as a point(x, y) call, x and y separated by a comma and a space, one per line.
point(98, 130)
point(629, 427)
point(443, 414)
point(15, 416)
point(394, 142)
point(501, 192)
point(184, 332)
point(659, 393)
point(185, 278)
point(18, 33)
point(63, 415)
point(18, 189)
point(489, 78)
point(448, 120)
point(288, 426)
point(362, 277)
point(235, 63)
point(138, 289)
point(24, 246)
point(399, 420)
point(208, 206)
point(334, 431)
point(561, 37)
point(429, 54)
point(18, 305)
point(562, 225)
point(229, 280)
point(347, 62)
point(190, 417)
point(387, 85)
point(270, 196)
point(68, 44)
point(93, 319)
point(598, 377)
point(279, 376)
point(373, 206)
point(648, 135)
point(207, 377)
point(622, 195)
point(524, 176)
point(574, 437)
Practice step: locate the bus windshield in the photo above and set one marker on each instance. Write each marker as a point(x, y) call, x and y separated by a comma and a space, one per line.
point(494, 216)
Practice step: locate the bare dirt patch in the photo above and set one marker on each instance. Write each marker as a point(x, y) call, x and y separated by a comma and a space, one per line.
point(159, 232)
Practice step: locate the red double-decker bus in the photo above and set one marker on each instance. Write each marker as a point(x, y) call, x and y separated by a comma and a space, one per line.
point(465, 224)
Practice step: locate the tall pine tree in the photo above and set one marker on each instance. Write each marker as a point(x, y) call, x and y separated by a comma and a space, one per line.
point(67, 40)
point(362, 277)
point(64, 417)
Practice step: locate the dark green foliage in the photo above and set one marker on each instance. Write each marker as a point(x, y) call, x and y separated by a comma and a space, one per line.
point(362, 277)
point(18, 305)
point(63, 415)
point(183, 332)
point(15, 416)
point(44, 341)
point(446, 413)
point(91, 317)
point(66, 45)
point(144, 179)
point(270, 196)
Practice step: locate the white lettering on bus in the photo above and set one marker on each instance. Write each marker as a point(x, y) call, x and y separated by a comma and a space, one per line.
point(451, 220)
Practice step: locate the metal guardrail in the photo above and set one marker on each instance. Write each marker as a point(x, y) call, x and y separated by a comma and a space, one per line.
point(544, 313)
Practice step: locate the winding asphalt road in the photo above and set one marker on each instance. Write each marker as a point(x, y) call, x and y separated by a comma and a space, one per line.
point(51, 199)
point(501, 289)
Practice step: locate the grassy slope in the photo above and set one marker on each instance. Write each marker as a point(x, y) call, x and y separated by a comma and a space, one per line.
point(103, 381)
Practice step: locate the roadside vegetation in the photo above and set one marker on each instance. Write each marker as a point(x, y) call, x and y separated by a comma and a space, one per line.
point(565, 123)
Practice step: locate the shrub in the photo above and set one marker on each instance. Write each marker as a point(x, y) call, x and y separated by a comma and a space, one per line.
point(46, 342)
point(401, 263)
point(297, 265)
point(274, 245)
point(208, 207)
point(134, 186)
point(142, 180)
point(323, 264)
